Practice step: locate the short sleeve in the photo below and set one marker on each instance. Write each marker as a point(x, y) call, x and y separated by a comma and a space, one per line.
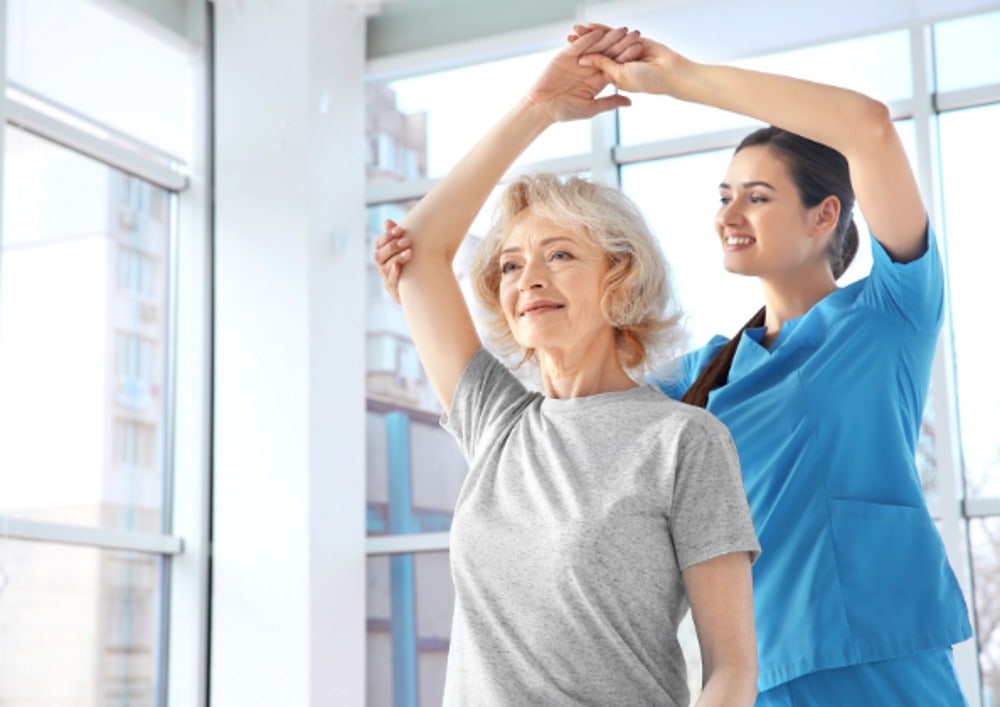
point(914, 291)
point(487, 398)
point(709, 513)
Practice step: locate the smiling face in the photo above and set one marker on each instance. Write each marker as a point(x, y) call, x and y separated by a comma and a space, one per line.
point(764, 227)
point(550, 287)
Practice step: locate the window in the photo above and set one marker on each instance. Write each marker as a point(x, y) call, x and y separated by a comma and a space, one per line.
point(136, 272)
point(410, 601)
point(438, 130)
point(91, 169)
point(80, 625)
point(848, 63)
point(120, 74)
point(75, 358)
point(984, 535)
point(966, 52)
point(968, 141)
point(135, 444)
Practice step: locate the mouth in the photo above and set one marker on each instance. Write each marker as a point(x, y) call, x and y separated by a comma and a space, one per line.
point(735, 241)
point(540, 307)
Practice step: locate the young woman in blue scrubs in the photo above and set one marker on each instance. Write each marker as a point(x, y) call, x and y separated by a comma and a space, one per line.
point(823, 389)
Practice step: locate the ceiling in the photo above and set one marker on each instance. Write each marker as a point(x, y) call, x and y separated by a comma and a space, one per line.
point(410, 36)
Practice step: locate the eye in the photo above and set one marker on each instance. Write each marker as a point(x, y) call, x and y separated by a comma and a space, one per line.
point(507, 267)
point(758, 199)
point(725, 200)
point(561, 255)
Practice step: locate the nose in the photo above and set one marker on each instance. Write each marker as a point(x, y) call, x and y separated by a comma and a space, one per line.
point(533, 276)
point(729, 214)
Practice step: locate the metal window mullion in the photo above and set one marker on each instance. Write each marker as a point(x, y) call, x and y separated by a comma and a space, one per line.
point(103, 538)
point(981, 507)
point(404, 544)
point(967, 98)
point(603, 139)
point(414, 189)
point(110, 152)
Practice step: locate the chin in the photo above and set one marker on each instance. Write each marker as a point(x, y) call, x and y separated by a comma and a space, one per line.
point(737, 268)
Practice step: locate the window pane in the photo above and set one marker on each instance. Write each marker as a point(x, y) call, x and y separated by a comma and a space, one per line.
point(967, 52)
point(410, 602)
point(83, 314)
point(422, 126)
point(81, 626)
point(679, 197)
point(848, 63)
point(415, 468)
point(969, 141)
point(984, 536)
point(114, 72)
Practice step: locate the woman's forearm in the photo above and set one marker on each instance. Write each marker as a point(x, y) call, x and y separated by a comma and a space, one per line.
point(835, 116)
point(440, 221)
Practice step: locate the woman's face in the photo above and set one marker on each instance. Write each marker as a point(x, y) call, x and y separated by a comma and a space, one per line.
point(550, 286)
point(764, 228)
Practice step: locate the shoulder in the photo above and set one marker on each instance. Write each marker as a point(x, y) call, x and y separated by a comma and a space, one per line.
point(680, 421)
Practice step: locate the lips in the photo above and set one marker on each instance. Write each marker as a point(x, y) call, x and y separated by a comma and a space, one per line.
point(539, 307)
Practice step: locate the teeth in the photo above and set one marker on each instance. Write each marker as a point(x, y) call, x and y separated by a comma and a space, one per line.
point(738, 240)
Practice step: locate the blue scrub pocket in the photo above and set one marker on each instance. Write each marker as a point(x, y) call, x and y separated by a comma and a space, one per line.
point(897, 584)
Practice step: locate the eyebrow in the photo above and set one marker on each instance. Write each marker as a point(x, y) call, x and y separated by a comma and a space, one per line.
point(547, 241)
point(750, 185)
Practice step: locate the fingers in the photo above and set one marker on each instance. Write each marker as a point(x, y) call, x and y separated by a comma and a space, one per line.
point(628, 40)
point(609, 66)
point(631, 53)
point(606, 103)
point(590, 27)
point(396, 249)
point(597, 40)
point(391, 281)
point(392, 252)
point(390, 243)
point(620, 37)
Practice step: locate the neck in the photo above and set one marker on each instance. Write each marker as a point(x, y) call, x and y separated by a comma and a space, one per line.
point(579, 373)
point(790, 297)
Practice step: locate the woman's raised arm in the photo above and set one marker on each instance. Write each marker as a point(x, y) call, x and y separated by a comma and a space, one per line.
point(857, 126)
point(435, 310)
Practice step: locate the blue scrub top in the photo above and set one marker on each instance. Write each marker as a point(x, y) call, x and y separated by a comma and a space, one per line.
point(826, 423)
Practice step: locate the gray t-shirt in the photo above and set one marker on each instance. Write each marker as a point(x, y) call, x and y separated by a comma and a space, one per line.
point(569, 538)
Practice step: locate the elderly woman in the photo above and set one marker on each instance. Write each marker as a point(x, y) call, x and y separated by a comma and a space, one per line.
point(596, 510)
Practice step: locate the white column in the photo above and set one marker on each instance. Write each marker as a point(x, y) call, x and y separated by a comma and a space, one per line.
point(288, 563)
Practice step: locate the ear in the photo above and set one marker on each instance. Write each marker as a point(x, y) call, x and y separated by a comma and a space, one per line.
point(824, 217)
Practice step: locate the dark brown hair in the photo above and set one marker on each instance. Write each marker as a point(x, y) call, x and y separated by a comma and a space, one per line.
point(818, 171)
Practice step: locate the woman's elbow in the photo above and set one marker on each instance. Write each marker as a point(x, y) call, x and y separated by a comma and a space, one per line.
point(874, 121)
